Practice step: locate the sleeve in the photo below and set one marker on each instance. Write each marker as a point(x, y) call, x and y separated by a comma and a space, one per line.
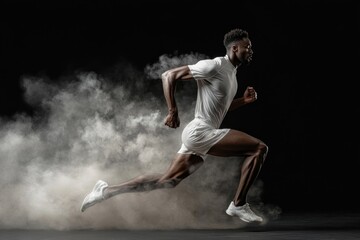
point(204, 69)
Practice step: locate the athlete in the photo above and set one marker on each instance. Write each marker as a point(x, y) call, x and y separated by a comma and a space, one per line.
point(216, 89)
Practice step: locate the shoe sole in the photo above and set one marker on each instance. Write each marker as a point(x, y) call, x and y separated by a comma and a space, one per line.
point(230, 213)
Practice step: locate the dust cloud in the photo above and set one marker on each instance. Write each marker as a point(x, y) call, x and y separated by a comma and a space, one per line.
point(109, 126)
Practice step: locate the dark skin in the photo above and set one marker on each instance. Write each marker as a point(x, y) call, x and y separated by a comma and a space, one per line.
point(235, 143)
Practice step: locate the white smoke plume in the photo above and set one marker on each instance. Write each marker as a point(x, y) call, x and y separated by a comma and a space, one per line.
point(109, 126)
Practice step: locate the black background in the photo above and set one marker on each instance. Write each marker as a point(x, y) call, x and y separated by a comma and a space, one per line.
point(304, 69)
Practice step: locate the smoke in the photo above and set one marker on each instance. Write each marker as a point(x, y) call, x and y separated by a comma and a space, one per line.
point(168, 61)
point(109, 126)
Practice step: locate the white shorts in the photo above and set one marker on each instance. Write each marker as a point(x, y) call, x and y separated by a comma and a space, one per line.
point(198, 137)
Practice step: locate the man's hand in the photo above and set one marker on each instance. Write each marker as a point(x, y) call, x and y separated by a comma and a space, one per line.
point(250, 95)
point(172, 119)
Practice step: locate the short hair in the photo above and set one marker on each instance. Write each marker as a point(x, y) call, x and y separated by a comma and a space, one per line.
point(234, 35)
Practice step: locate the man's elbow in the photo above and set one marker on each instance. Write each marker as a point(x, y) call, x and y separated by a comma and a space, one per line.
point(168, 76)
point(164, 75)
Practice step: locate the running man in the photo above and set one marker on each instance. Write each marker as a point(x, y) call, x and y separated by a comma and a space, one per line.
point(216, 89)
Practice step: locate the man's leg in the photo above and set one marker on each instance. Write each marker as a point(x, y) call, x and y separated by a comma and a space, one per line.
point(237, 143)
point(182, 166)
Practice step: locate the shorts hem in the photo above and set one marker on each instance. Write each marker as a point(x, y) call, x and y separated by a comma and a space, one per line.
point(185, 150)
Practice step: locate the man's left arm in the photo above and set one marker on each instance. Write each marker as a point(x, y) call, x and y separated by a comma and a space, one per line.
point(249, 96)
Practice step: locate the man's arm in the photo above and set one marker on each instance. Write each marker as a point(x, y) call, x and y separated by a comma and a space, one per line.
point(169, 79)
point(249, 96)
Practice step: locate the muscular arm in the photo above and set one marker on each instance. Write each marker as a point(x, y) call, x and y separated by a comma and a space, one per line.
point(169, 79)
point(249, 96)
point(236, 103)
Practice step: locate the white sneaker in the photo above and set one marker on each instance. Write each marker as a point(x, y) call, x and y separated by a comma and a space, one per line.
point(95, 196)
point(243, 212)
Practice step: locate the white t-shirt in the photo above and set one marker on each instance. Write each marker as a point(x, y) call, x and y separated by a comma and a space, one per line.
point(217, 86)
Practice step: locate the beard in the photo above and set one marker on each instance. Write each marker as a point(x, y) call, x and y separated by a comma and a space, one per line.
point(246, 62)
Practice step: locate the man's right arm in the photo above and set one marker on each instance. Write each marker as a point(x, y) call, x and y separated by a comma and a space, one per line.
point(169, 79)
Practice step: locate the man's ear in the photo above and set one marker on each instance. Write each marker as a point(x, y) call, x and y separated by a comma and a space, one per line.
point(234, 47)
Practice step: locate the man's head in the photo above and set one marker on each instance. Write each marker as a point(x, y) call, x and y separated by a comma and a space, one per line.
point(238, 46)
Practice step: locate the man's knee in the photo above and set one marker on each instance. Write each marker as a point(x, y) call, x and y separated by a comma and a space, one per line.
point(169, 183)
point(263, 150)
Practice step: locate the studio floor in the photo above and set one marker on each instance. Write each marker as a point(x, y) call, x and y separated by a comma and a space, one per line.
point(319, 226)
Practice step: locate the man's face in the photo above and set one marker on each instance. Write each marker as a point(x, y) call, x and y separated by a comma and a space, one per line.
point(244, 52)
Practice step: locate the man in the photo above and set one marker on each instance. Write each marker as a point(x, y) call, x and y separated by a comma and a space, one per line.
point(217, 86)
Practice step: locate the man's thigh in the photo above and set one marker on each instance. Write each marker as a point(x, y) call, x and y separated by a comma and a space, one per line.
point(235, 143)
point(183, 165)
